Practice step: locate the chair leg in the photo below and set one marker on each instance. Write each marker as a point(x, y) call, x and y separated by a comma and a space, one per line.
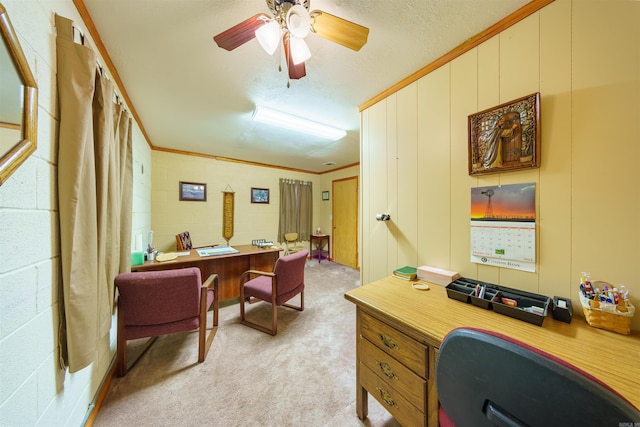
point(274, 321)
point(204, 345)
point(121, 343)
point(301, 306)
point(202, 333)
point(274, 315)
point(242, 300)
point(122, 367)
point(259, 327)
point(204, 341)
point(216, 307)
point(121, 351)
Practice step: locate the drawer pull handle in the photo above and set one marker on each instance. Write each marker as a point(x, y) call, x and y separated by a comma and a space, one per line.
point(387, 397)
point(386, 370)
point(387, 341)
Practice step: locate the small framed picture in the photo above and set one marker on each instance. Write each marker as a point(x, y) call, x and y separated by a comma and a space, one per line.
point(325, 195)
point(259, 195)
point(193, 191)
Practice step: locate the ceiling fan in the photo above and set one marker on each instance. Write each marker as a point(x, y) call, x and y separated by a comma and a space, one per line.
point(291, 22)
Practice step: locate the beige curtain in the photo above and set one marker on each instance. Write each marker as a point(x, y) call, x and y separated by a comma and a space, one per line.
point(125, 159)
point(296, 208)
point(93, 191)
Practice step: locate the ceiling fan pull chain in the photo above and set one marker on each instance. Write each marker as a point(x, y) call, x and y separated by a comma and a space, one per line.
point(280, 59)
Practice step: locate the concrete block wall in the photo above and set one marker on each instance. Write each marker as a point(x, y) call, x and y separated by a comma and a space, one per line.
point(34, 390)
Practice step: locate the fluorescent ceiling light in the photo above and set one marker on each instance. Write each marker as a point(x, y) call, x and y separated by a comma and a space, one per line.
point(298, 124)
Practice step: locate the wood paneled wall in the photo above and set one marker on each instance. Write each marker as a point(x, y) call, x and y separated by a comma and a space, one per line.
point(583, 58)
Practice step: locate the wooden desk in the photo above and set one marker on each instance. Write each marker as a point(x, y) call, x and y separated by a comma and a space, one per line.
point(229, 267)
point(319, 239)
point(420, 319)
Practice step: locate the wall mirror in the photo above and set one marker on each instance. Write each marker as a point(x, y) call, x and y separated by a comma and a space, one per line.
point(18, 102)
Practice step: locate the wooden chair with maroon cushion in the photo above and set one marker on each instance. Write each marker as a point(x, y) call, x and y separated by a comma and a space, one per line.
point(487, 379)
point(286, 281)
point(154, 303)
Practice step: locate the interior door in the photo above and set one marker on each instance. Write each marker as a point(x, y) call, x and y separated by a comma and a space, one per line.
point(345, 221)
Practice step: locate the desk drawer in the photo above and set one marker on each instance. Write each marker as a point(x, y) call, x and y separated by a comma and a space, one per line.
point(391, 399)
point(403, 348)
point(394, 373)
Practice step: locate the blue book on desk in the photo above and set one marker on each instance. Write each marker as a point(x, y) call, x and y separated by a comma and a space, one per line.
point(218, 250)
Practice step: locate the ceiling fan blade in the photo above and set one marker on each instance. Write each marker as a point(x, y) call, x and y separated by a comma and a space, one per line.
point(296, 71)
point(338, 30)
point(241, 33)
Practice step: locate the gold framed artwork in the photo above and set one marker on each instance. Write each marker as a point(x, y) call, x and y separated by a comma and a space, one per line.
point(193, 191)
point(506, 137)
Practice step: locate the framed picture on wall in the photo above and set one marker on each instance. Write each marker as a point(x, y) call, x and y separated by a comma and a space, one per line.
point(506, 137)
point(325, 195)
point(193, 191)
point(259, 195)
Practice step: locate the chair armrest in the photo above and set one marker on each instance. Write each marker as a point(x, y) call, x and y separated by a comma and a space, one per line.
point(211, 281)
point(247, 274)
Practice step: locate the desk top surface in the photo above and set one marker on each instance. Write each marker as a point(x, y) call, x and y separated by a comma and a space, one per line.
point(194, 257)
point(613, 358)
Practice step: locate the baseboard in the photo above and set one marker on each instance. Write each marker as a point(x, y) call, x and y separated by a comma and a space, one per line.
point(94, 408)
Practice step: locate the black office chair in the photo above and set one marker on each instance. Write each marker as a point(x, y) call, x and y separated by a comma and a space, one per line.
point(487, 379)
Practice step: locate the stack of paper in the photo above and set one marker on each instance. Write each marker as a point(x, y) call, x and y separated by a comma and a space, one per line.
point(218, 250)
point(437, 275)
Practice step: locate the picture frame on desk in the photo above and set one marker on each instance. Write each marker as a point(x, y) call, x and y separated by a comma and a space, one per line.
point(505, 137)
point(259, 195)
point(193, 191)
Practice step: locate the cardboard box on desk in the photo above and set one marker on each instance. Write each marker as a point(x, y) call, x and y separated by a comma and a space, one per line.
point(437, 275)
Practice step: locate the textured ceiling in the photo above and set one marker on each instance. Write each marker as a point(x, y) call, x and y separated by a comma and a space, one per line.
point(192, 96)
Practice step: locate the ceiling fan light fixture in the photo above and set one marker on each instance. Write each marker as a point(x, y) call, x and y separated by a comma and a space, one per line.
point(269, 36)
point(298, 21)
point(295, 123)
point(299, 50)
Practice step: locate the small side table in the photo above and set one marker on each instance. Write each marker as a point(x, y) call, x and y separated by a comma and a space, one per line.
point(319, 239)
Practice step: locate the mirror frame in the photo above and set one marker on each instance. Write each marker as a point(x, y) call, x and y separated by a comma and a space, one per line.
point(12, 159)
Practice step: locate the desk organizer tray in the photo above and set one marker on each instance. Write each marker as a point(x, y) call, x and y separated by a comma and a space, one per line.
point(463, 289)
point(529, 307)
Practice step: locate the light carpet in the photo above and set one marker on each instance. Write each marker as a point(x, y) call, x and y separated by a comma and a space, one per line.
point(303, 376)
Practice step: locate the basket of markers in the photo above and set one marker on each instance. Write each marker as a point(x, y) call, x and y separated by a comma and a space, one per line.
point(606, 307)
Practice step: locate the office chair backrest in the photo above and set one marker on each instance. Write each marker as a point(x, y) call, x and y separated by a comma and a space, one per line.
point(160, 297)
point(154, 303)
point(289, 271)
point(291, 237)
point(487, 379)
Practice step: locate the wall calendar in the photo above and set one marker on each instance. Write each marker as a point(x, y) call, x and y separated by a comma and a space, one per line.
point(503, 226)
